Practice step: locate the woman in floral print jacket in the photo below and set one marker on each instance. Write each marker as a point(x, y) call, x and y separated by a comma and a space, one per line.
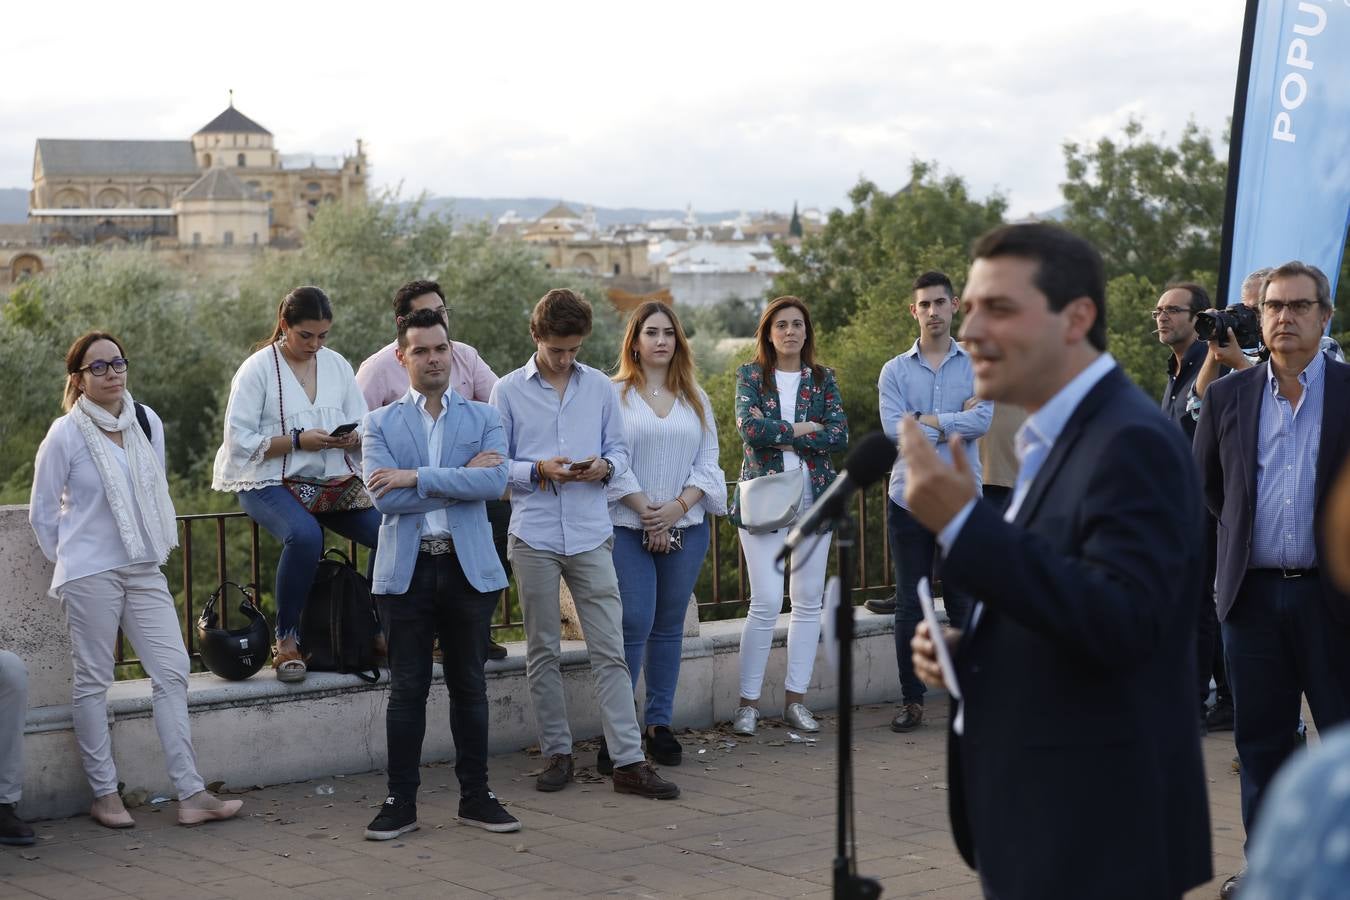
point(790, 416)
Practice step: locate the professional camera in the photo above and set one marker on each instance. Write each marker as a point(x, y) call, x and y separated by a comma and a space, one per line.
point(1213, 325)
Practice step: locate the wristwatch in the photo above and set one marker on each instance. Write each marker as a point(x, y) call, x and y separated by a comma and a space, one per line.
point(610, 473)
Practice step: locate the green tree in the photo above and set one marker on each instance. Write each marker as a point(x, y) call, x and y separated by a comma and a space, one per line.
point(876, 248)
point(795, 226)
point(1151, 209)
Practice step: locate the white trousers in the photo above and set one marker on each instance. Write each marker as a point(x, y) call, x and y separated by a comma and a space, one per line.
point(13, 710)
point(137, 598)
point(807, 593)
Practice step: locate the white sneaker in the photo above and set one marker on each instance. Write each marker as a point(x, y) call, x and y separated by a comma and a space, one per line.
point(745, 720)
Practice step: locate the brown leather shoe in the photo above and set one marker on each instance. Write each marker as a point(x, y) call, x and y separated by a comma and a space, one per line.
point(556, 774)
point(640, 778)
point(496, 651)
point(911, 717)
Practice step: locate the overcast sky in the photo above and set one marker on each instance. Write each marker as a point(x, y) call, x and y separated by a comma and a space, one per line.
point(724, 105)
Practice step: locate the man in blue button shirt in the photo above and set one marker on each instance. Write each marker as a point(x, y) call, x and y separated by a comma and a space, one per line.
point(933, 383)
point(564, 438)
point(1269, 443)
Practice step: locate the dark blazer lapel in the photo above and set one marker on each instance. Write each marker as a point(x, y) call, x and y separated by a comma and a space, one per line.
point(1101, 392)
point(412, 418)
point(1335, 408)
point(1247, 420)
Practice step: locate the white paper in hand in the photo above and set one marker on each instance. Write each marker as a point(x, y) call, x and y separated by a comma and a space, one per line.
point(827, 623)
point(944, 655)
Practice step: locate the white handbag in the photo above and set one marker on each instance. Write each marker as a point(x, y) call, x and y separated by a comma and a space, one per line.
point(772, 502)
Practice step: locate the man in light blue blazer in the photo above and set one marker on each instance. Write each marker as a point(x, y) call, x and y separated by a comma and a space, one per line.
point(431, 460)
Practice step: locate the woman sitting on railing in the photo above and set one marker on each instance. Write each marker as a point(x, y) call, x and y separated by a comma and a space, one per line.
point(294, 414)
point(660, 505)
point(102, 513)
point(791, 417)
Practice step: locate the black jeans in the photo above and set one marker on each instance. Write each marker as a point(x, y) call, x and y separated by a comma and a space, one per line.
point(440, 602)
point(1282, 643)
point(913, 548)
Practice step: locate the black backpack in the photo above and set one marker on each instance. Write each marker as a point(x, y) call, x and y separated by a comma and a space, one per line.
point(339, 624)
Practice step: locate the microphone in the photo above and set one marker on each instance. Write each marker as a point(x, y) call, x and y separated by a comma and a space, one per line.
point(869, 461)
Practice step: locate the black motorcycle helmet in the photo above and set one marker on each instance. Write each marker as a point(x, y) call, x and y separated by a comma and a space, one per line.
point(238, 653)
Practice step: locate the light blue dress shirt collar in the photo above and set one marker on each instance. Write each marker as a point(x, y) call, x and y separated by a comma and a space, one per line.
point(1311, 374)
point(953, 350)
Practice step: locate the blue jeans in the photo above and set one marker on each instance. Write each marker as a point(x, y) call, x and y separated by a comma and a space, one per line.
point(277, 511)
point(913, 549)
point(1281, 643)
point(655, 588)
point(439, 602)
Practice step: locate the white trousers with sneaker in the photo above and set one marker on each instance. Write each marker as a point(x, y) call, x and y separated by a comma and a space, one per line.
point(807, 593)
point(135, 597)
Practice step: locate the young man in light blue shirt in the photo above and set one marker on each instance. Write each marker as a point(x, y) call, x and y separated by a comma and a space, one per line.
point(564, 438)
point(932, 382)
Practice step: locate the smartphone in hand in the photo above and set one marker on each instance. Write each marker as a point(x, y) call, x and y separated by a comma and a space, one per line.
point(581, 465)
point(342, 430)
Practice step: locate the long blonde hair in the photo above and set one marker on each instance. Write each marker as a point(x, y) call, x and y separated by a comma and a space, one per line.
point(682, 376)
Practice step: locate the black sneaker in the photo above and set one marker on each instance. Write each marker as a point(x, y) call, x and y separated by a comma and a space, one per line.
point(496, 650)
point(396, 817)
point(483, 811)
point(603, 764)
point(13, 830)
point(663, 747)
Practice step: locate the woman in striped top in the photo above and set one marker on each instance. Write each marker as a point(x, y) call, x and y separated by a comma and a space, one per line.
point(659, 506)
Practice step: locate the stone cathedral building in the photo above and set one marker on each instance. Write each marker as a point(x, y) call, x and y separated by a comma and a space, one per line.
point(226, 189)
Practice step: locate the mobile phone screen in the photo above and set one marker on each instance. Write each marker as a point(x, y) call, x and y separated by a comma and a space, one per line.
point(343, 429)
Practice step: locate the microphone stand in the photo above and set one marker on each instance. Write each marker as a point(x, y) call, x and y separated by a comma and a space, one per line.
point(848, 884)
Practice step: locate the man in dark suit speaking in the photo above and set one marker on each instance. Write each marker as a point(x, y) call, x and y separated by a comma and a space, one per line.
point(1074, 753)
point(1270, 441)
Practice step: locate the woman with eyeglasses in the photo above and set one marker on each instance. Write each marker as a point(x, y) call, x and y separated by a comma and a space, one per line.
point(101, 512)
point(292, 426)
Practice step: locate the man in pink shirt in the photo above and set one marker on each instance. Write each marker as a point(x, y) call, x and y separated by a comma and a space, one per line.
point(383, 381)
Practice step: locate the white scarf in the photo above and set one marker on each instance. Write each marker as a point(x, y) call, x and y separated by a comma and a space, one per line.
point(148, 490)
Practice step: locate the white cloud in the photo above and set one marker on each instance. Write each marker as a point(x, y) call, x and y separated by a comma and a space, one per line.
point(723, 105)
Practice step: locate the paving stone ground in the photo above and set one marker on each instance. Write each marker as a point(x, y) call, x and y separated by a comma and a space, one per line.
point(755, 819)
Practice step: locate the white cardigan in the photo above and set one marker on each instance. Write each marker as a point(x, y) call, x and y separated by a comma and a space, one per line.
point(253, 418)
point(69, 508)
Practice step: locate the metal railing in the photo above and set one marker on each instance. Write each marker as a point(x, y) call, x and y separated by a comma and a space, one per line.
point(232, 538)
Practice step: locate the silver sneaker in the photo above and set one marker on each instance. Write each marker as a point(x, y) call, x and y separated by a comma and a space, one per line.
point(799, 717)
point(745, 720)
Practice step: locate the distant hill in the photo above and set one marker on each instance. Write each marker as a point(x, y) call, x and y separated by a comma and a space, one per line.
point(13, 206)
point(472, 209)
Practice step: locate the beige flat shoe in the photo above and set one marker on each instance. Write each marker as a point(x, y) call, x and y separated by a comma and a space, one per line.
point(109, 812)
point(202, 807)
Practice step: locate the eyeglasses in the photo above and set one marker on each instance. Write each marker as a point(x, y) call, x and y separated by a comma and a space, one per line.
point(99, 367)
point(1273, 308)
point(1169, 311)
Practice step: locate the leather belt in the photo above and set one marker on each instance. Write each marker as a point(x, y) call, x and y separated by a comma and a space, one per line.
point(436, 546)
point(1287, 573)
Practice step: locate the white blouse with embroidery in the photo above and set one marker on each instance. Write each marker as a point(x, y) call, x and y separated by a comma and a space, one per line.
point(253, 418)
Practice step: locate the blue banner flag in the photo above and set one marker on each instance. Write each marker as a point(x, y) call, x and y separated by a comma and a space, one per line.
point(1289, 159)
